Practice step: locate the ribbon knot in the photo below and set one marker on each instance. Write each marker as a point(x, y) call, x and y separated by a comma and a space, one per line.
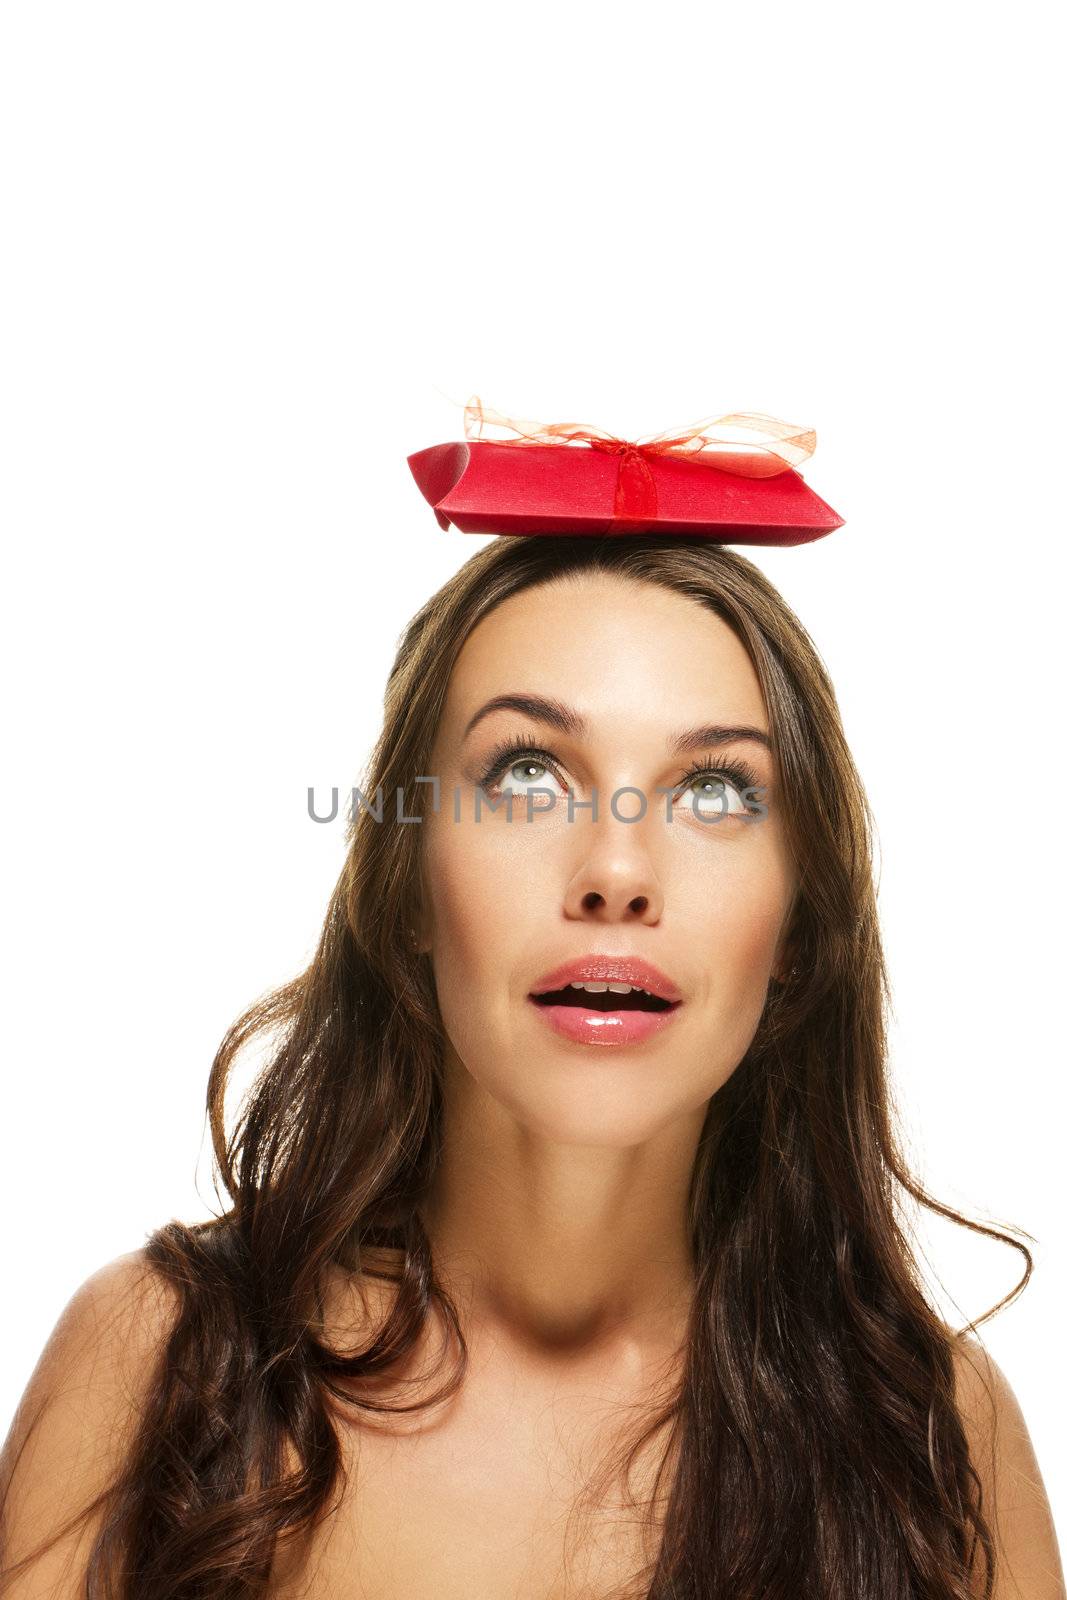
point(636, 500)
point(635, 487)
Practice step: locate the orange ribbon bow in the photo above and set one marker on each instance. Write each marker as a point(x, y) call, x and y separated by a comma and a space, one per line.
point(635, 489)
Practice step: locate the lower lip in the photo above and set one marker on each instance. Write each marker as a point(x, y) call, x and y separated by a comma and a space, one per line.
point(604, 1027)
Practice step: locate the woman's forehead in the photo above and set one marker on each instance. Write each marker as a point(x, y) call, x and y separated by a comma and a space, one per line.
point(607, 648)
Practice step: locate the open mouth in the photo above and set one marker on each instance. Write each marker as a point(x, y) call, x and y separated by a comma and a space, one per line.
point(606, 1000)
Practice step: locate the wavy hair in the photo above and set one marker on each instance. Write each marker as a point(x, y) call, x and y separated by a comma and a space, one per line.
point(814, 1443)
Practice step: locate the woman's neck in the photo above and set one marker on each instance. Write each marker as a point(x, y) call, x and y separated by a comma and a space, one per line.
point(562, 1248)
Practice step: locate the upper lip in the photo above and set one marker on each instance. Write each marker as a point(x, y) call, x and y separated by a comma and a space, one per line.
point(597, 968)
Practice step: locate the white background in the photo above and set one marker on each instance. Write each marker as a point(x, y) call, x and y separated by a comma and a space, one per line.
point(253, 256)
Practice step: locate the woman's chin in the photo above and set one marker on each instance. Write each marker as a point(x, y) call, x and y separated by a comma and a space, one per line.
point(578, 1105)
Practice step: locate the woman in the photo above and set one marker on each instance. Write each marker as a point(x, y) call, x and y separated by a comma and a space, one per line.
point(504, 1307)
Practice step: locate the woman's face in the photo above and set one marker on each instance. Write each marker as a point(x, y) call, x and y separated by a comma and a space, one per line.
point(704, 896)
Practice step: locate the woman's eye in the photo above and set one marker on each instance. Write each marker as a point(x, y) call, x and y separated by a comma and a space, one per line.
point(527, 775)
point(710, 796)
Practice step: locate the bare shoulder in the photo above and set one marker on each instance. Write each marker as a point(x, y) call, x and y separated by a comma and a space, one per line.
point(1014, 1499)
point(75, 1420)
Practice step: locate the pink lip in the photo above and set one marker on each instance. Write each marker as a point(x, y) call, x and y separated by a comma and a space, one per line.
point(597, 968)
point(603, 1027)
point(606, 1027)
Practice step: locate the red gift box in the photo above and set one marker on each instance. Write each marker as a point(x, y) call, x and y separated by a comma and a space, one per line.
point(489, 486)
point(570, 477)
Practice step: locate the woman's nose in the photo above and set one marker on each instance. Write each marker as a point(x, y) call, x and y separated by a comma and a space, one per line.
point(616, 882)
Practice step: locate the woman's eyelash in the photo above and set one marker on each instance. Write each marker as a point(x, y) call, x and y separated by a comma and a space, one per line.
point(737, 772)
point(510, 751)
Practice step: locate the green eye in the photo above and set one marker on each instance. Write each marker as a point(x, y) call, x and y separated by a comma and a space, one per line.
point(713, 795)
point(509, 756)
point(715, 784)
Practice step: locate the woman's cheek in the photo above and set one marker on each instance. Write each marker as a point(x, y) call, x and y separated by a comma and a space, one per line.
point(482, 923)
point(740, 951)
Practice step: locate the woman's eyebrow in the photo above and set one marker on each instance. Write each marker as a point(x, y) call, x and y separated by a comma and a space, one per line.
point(566, 720)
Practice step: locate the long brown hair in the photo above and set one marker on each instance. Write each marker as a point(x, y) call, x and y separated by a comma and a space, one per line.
point(815, 1441)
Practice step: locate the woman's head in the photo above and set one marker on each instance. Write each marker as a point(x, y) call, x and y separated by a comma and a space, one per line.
point(736, 862)
point(692, 876)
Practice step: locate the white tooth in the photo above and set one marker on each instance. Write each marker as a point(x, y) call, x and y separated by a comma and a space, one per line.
point(615, 988)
